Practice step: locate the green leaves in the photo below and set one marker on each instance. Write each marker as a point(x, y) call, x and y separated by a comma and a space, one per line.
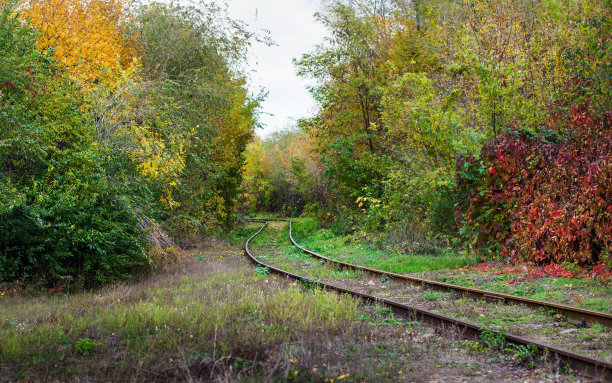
point(88, 175)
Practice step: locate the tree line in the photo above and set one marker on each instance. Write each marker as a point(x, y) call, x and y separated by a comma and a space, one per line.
point(122, 132)
point(476, 123)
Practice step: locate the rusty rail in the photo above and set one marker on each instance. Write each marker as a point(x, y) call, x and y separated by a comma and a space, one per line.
point(576, 313)
point(596, 369)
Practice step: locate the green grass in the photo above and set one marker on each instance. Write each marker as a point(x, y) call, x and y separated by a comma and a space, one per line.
point(272, 246)
point(239, 236)
point(217, 317)
point(308, 233)
point(593, 294)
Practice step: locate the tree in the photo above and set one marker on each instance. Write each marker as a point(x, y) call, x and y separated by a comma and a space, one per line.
point(83, 35)
point(349, 69)
point(190, 52)
point(62, 222)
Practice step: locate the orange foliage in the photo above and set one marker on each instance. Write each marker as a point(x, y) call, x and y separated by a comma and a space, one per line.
point(85, 35)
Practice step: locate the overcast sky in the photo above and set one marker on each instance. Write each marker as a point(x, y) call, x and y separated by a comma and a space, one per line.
point(295, 31)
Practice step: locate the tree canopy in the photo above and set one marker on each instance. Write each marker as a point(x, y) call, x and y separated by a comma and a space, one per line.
point(122, 134)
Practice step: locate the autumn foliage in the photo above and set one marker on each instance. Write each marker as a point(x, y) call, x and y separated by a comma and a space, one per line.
point(83, 35)
point(406, 90)
point(122, 128)
point(543, 200)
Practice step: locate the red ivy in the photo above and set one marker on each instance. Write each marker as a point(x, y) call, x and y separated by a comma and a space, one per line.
point(545, 202)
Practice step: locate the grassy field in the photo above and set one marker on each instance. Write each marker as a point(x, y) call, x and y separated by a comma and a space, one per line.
point(308, 233)
point(272, 247)
point(210, 317)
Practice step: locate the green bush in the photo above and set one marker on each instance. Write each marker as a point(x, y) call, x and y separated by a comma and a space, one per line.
point(61, 220)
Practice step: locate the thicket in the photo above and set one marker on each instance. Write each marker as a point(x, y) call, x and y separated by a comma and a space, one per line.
point(541, 200)
point(409, 90)
point(122, 131)
point(283, 175)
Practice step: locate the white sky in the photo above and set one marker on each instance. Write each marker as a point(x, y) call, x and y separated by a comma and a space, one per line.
point(293, 27)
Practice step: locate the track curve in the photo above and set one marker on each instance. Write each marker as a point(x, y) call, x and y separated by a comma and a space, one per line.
point(594, 368)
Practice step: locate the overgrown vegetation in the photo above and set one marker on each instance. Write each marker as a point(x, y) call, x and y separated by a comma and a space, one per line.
point(543, 201)
point(543, 326)
point(478, 124)
point(567, 284)
point(309, 233)
point(122, 128)
point(215, 319)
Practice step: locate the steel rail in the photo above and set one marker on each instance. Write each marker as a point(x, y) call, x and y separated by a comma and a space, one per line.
point(577, 313)
point(593, 368)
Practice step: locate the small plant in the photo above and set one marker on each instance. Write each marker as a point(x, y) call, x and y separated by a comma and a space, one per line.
point(262, 271)
point(497, 340)
point(493, 339)
point(86, 346)
point(598, 327)
point(240, 363)
point(393, 321)
point(522, 353)
point(384, 278)
point(470, 345)
point(308, 284)
point(430, 295)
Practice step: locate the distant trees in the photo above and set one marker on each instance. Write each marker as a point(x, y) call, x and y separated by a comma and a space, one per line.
point(283, 174)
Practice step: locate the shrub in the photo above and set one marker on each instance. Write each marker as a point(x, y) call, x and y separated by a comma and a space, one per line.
point(60, 218)
point(541, 198)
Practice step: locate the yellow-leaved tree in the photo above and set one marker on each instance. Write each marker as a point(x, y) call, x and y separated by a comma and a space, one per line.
point(84, 35)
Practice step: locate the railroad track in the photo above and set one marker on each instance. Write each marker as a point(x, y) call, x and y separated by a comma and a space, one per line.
point(576, 313)
point(593, 368)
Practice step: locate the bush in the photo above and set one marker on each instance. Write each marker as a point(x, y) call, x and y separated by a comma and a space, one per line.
point(78, 236)
point(61, 221)
point(540, 198)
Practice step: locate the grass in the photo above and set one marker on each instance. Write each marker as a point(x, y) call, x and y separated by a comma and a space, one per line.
point(586, 293)
point(218, 318)
point(520, 320)
point(308, 233)
point(193, 313)
point(272, 246)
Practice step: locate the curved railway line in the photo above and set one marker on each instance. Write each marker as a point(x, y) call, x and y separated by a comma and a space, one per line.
point(594, 368)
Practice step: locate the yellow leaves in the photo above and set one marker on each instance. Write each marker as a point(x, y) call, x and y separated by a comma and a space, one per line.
point(157, 160)
point(84, 35)
point(373, 201)
point(166, 199)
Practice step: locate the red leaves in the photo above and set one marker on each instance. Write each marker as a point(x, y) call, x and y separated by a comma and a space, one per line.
point(7, 85)
point(552, 200)
point(556, 214)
